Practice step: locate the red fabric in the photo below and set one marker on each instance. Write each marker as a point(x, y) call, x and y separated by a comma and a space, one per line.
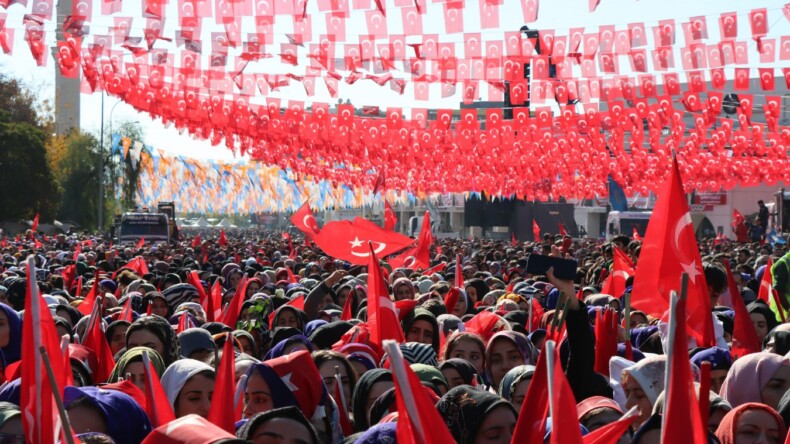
point(345, 424)
point(34, 227)
point(69, 273)
point(435, 269)
point(636, 235)
point(86, 307)
point(483, 324)
point(140, 243)
point(297, 302)
point(563, 231)
point(744, 336)
point(223, 241)
point(40, 419)
point(704, 391)
point(766, 284)
point(418, 256)
point(622, 269)
point(669, 250)
point(97, 341)
point(531, 423)
point(404, 307)
point(126, 312)
point(418, 420)
point(564, 427)
point(459, 272)
point(183, 323)
point(535, 230)
point(190, 429)
point(347, 240)
point(610, 433)
point(390, 219)
point(382, 317)
point(605, 340)
point(194, 280)
point(234, 308)
point(348, 306)
point(299, 373)
point(682, 420)
point(213, 305)
point(304, 220)
point(157, 405)
point(451, 299)
point(291, 277)
point(196, 241)
point(224, 390)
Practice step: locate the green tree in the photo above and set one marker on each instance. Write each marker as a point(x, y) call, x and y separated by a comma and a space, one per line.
point(26, 180)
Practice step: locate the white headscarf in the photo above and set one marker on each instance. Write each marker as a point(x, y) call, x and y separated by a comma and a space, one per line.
point(177, 375)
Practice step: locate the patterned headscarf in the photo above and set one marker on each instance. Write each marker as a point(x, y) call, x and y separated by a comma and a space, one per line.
point(464, 409)
point(161, 328)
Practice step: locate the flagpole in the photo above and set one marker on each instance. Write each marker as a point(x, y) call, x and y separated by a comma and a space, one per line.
point(628, 316)
point(550, 377)
point(64, 419)
point(402, 378)
point(673, 321)
point(239, 391)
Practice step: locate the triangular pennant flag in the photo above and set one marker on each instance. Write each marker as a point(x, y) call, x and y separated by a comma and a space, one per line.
point(96, 340)
point(744, 336)
point(382, 317)
point(233, 310)
point(158, 407)
point(564, 427)
point(194, 280)
point(224, 390)
point(86, 307)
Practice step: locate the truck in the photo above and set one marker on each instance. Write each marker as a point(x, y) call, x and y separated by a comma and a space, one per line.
point(159, 226)
point(624, 222)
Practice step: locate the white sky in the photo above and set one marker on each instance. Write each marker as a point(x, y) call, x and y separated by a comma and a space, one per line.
point(560, 15)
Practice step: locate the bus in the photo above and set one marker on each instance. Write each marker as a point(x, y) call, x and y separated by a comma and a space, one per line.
point(153, 227)
point(624, 222)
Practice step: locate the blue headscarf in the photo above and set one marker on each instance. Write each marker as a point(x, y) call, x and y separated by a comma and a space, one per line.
point(13, 351)
point(127, 422)
point(383, 433)
point(280, 393)
point(312, 326)
point(12, 392)
point(279, 349)
point(718, 357)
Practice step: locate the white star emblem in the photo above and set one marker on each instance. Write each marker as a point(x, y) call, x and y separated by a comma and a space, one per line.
point(356, 242)
point(691, 270)
point(287, 381)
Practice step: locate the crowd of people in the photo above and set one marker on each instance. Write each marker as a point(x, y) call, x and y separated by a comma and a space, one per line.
point(304, 309)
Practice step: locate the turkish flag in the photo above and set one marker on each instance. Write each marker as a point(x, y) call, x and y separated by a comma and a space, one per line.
point(233, 310)
point(612, 432)
point(346, 240)
point(419, 421)
point(40, 419)
point(127, 312)
point(304, 220)
point(622, 269)
point(535, 230)
point(298, 371)
point(97, 341)
point(34, 226)
point(157, 405)
point(86, 307)
point(420, 255)
point(382, 316)
point(744, 336)
point(682, 418)
point(223, 241)
point(194, 280)
point(196, 241)
point(531, 424)
point(390, 219)
point(605, 340)
point(668, 251)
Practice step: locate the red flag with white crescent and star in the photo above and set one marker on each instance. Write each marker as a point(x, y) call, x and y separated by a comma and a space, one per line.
point(669, 250)
point(304, 220)
point(382, 315)
point(347, 240)
point(390, 219)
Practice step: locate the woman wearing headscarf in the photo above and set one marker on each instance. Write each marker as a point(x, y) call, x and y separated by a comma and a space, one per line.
point(287, 346)
point(720, 363)
point(131, 363)
point(469, 347)
point(158, 304)
point(476, 289)
point(11, 420)
point(330, 363)
point(369, 387)
point(458, 372)
point(420, 325)
point(403, 289)
point(507, 350)
point(154, 332)
point(10, 335)
point(288, 316)
point(189, 385)
point(384, 433)
point(642, 383)
point(514, 385)
point(197, 344)
point(751, 423)
point(265, 390)
point(757, 377)
point(286, 424)
point(763, 318)
point(777, 342)
point(474, 416)
point(116, 414)
point(248, 344)
point(116, 335)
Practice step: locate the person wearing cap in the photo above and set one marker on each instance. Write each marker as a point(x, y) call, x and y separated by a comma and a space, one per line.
point(598, 411)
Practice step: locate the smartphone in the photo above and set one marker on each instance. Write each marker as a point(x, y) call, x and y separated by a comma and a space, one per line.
point(563, 268)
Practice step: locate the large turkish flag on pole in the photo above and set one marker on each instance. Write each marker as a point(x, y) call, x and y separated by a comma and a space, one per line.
point(348, 240)
point(669, 250)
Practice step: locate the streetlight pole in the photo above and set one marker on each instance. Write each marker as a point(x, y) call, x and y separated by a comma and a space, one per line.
point(101, 168)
